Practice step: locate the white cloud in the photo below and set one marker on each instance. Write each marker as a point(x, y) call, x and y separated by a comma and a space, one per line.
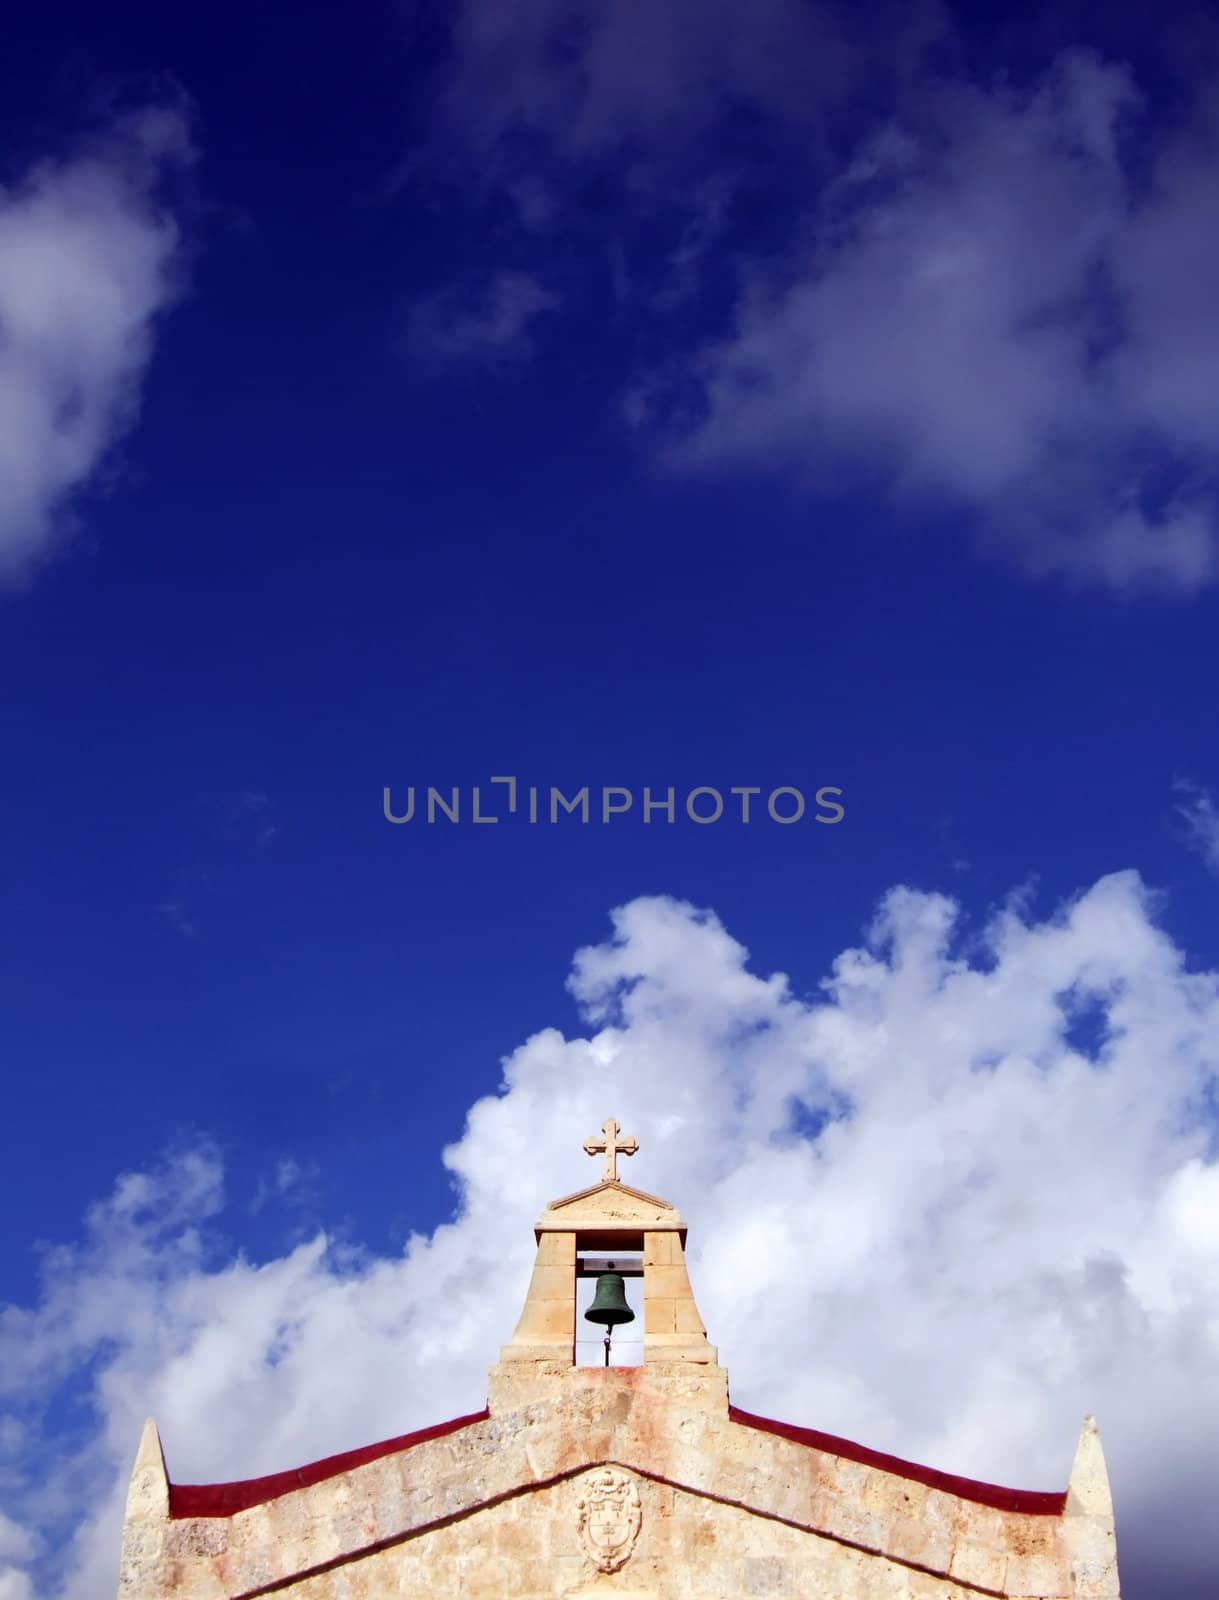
point(585, 77)
point(17, 1547)
point(999, 305)
point(1009, 1217)
point(1196, 810)
point(987, 314)
point(174, 913)
point(289, 1182)
point(15, 1584)
point(88, 259)
point(16, 1542)
point(488, 324)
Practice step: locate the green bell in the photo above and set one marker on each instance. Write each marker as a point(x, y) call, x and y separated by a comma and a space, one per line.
point(609, 1303)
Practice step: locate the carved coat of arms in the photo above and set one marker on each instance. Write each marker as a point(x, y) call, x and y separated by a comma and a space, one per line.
point(610, 1516)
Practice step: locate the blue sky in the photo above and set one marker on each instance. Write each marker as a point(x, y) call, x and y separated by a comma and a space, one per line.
point(653, 397)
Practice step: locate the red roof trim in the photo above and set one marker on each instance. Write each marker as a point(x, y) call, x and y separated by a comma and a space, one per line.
point(1033, 1502)
point(226, 1499)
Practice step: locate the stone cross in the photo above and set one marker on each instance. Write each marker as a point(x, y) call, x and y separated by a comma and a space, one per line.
point(613, 1147)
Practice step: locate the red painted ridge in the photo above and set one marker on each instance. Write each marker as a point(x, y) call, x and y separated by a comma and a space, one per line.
point(226, 1499)
point(1033, 1502)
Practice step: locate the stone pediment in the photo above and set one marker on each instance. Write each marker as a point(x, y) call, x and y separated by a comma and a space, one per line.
point(609, 1205)
point(778, 1502)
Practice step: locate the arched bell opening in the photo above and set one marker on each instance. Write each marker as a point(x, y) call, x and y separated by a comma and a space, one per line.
point(609, 1308)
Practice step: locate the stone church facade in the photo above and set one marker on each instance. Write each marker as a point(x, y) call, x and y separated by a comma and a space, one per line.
point(615, 1483)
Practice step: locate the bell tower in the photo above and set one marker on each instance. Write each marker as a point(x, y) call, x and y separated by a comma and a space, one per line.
point(610, 1230)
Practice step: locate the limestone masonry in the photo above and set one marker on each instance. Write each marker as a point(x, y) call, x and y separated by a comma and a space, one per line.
point(640, 1483)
